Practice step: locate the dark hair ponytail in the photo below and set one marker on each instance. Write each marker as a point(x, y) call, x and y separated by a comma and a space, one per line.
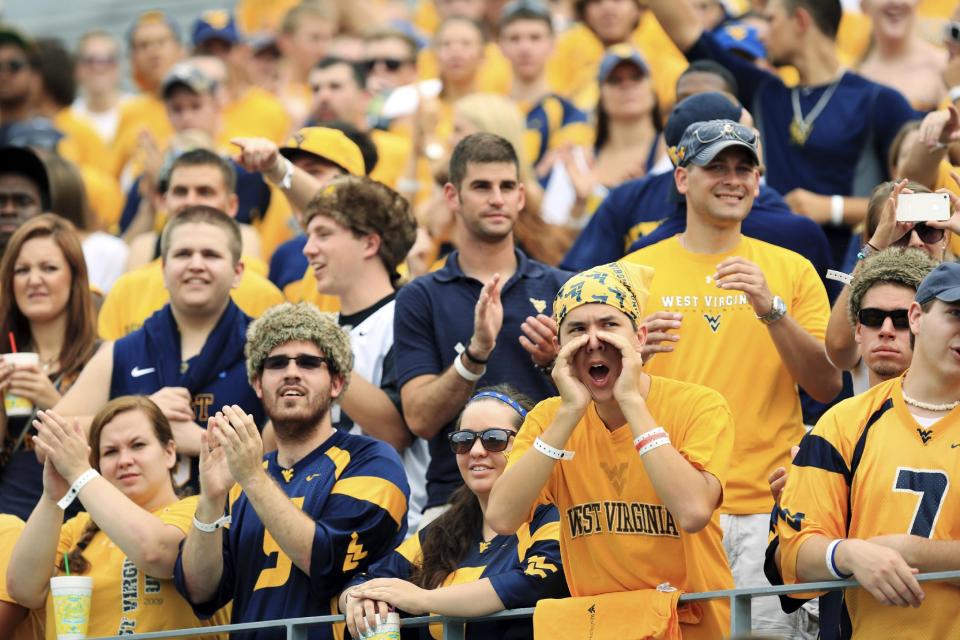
point(78, 563)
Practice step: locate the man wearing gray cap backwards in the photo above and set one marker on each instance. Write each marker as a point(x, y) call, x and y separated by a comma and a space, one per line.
point(869, 493)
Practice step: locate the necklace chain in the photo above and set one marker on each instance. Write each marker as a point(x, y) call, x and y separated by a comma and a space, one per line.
point(928, 406)
point(801, 127)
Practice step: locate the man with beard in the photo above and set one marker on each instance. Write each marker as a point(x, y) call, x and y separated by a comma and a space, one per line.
point(305, 518)
point(481, 318)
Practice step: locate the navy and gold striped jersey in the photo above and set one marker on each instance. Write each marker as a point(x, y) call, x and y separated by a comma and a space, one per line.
point(356, 490)
point(553, 122)
point(869, 468)
point(523, 568)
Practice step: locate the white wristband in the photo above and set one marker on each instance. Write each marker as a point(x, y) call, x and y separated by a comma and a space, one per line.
point(836, 210)
point(643, 436)
point(659, 442)
point(954, 93)
point(465, 373)
point(213, 526)
point(551, 452)
point(78, 484)
point(831, 562)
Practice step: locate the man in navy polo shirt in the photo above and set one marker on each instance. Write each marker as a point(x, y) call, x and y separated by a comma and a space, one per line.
point(630, 217)
point(480, 320)
point(830, 134)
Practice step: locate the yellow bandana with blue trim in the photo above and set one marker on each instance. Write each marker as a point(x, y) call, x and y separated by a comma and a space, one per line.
point(622, 285)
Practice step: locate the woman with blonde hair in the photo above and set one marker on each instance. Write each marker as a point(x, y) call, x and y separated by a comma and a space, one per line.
point(129, 536)
point(47, 309)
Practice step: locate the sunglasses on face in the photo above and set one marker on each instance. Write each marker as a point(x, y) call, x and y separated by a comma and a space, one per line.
point(13, 66)
point(97, 61)
point(304, 361)
point(392, 64)
point(493, 440)
point(874, 318)
point(713, 131)
point(927, 235)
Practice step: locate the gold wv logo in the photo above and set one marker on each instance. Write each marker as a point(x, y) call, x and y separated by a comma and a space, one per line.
point(538, 566)
point(355, 553)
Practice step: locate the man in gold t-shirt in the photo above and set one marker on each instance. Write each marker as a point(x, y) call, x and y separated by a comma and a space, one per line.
point(635, 463)
point(747, 319)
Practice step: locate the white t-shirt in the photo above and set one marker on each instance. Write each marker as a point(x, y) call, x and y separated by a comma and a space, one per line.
point(106, 258)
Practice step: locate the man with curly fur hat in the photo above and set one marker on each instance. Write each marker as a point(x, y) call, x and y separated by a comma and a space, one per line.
point(880, 296)
point(358, 233)
point(304, 518)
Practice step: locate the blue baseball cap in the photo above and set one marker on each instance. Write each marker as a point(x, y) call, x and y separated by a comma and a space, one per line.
point(621, 53)
point(702, 141)
point(698, 108)
point(943, 283)
point(216, 24)
point(741, 38)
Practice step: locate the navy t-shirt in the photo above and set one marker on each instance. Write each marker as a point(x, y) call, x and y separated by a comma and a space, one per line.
point(435, 313)
point(288, 264)
point(846, 151)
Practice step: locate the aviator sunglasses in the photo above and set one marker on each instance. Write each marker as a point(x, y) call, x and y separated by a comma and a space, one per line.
point(304, 361)
point(493, 440)
point(874, 318)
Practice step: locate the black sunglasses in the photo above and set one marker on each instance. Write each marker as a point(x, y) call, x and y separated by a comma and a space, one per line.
point(13, 66)
point(493, 440)
point(303, 360)
point(874, 318)
point(927, 235)
point(392, 64)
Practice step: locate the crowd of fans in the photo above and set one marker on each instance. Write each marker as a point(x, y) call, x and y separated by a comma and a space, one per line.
point(452, 306)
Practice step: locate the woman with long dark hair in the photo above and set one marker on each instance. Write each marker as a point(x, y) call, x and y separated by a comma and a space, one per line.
point(457, 565)
point(48, 310)
point(129, 536)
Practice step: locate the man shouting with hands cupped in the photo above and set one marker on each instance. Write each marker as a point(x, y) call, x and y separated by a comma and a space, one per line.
point(635, 463)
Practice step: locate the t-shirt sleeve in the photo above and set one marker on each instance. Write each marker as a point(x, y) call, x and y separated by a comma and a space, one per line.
point(364, 518)
point(414, 347)
point(399, 563)
point(180, 514)
point(891, 111)
point(814, 500)
point(539, 572)
point(749, 76)
point(388, 380)
point(706, 440)
point(810, 306)
point(600, 241)
point(535, 424)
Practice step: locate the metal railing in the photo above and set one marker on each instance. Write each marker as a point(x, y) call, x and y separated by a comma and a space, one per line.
point(453, 628)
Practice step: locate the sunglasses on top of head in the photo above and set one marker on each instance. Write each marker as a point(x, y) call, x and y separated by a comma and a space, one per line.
point(493, 440)
point(874, 318)
point(304, 361)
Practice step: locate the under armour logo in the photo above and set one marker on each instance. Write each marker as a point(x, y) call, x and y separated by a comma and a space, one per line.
point(925, 435)
point(713, 321)
point(355, 553)
point(616, 474)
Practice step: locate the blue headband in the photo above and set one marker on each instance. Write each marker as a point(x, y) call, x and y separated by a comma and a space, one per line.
point(513, 404)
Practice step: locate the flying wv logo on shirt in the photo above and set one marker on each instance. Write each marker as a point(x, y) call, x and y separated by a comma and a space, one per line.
point(539, 567)
point(355, 553)
point(713, 321)
point(925, 435)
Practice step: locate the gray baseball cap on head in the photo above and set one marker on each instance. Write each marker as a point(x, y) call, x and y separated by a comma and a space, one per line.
point(702, 141)
point(943, 283)
point(189, 76)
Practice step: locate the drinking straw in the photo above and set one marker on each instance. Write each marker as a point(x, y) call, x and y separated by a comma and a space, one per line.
point(66, 562)
point(13, 342)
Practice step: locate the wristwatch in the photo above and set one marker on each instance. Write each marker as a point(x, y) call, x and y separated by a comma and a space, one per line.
point(777, 311)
